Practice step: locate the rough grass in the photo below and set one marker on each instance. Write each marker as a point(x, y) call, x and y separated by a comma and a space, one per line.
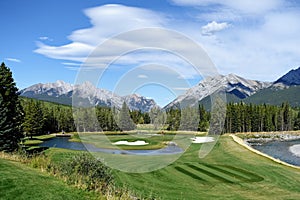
point(18, 181)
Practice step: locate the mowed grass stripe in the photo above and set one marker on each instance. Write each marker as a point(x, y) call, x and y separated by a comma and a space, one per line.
point(232, 174)
point(250, 175)
point(190, 174)
point(210, 173)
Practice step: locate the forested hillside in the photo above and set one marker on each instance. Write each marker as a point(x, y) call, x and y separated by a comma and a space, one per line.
point(45, 117)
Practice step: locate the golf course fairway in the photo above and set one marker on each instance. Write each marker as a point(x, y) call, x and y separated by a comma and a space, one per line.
point(230, 171)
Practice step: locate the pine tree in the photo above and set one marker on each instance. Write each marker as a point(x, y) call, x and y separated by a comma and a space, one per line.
point(203, 119)
point(11, 112)
point(5, 126)
point(125, 122)
point(297, 121)
point(34, 118)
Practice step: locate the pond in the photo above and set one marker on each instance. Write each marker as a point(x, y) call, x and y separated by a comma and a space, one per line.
point(63, 142)
point(286, 151)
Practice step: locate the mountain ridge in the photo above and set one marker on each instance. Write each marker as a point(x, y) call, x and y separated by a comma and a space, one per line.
point(235, 87)
point(62, 92)
point(231, 84)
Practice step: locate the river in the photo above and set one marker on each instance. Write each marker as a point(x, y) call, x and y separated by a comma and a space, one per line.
point(287, 151)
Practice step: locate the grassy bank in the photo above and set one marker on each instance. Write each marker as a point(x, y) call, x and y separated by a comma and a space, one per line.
point(18, 181)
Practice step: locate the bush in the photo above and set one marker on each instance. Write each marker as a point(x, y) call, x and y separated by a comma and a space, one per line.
point(86, 172)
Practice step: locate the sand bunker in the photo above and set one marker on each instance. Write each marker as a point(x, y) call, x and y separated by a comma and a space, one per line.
point(295, 149)
point(136, 143)
point(200, 140)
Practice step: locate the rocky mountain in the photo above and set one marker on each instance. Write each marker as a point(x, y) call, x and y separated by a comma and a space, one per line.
point(276, 96)
point(289, 79)
point(85, 94)
point(235, 87)
point(285, 89)
point(135, 102)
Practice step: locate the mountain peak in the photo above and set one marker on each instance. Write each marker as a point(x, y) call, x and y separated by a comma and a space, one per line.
point(60, 82)
point(231, 84)
point(62, 92)
point(289, 79)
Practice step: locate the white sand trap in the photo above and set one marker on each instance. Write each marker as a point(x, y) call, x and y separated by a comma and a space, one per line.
point(200, 140)
point(295, 149)
point(136, 143)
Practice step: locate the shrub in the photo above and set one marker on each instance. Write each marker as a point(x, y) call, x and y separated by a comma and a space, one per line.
point(86, 172)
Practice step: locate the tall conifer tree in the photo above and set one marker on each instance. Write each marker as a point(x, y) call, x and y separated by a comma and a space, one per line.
point(11, 115)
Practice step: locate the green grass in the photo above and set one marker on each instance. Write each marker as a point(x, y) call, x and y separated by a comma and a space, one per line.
point(44, 137)
point(18, 181)
point(57, 155)
point(154, 141)
point(105, 141)
point(36, 140)
point(32, 142)
point(228, 172)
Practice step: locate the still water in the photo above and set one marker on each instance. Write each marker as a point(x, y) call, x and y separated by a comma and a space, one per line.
point(63, 142)
point(281, 150)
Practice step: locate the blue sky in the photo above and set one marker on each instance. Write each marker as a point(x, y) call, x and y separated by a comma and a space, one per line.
point(45, 41)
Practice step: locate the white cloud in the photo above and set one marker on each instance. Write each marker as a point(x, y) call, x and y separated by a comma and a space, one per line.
point(263, 52)
point(45, 38)
point(263, 37)
point(13, 60)
point(221, 14)
point(74, 51)
point(72, 68)
point(71, 64)
point(213, 27)
point(181, 88)
point(110, 20)
point(107, 21)
point(244, 6)
point(142, 76)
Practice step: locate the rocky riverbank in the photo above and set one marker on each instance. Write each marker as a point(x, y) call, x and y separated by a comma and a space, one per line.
point(259, 138)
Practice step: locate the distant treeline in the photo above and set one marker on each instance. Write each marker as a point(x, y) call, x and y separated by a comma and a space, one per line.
point(42, 117)
point(241, 117)
point(45, 117)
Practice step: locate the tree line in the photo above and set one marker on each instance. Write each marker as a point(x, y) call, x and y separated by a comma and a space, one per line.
point(44, 117)
point(21, 117)
point(241, 117)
